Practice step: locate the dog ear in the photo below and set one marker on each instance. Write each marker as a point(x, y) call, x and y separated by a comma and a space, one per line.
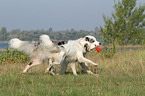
point(59, 43)
point(87, 39)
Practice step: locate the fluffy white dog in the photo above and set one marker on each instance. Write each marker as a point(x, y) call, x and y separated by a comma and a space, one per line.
point(74, 52)
point(40, 52)
point(67, 54)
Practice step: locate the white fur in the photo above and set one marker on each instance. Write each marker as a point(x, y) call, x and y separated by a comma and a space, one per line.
point(74, 52)
point(15, 43)
point(25, 46)
point(45, 50)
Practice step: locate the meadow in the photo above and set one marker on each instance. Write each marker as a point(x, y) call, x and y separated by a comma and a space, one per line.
point(120, 75)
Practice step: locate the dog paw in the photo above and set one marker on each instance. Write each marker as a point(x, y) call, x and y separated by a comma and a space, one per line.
point(52, 73)
point(90, 72)
point(76, 75)
point(46, 71)
point(95, 64)
point(57, 74)
point(23, 72)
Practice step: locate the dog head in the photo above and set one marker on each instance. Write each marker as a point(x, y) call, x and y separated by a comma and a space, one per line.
point(91, 43)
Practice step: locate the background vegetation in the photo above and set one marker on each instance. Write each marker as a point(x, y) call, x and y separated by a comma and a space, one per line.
point(126, 24)
point(55, 35)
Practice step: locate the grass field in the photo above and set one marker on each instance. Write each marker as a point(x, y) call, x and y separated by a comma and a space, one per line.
point(121, 75)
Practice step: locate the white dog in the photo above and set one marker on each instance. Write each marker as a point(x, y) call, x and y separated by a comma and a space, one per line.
point(74, 50)
point(40, 52)
point(69, 53)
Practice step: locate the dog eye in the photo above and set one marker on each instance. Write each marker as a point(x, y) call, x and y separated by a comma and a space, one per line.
point(92, 41)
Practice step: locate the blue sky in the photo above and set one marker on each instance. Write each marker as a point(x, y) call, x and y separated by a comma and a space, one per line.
point(58, 14)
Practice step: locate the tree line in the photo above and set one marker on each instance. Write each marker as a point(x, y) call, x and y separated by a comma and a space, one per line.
point(54, 35)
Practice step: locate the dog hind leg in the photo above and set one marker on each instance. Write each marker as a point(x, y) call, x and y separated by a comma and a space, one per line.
point(51, 70)
point(49, 66)
point(85, 66)
point(30, 64)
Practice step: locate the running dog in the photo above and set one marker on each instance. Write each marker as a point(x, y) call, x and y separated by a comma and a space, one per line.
point(39, 52)
point(74, 52)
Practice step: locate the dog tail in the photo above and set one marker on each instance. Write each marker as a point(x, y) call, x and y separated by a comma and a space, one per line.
point(46, 43)
point(25, 46)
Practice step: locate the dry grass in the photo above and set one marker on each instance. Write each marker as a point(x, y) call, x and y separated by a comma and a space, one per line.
point(121, 75)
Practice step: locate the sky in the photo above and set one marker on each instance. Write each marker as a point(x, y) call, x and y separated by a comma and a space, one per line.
point(58, 14)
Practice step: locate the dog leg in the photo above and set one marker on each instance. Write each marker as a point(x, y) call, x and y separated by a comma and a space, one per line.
point(85, 60)
point(72, 65)
point(51, 70)
point(49, 66)
point(51, 63)
point(63, 67)
point(35, 62)
point(85, 66)
point(90, 72)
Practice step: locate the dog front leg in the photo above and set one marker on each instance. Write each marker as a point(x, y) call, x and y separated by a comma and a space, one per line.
point(85, 66)
point(72, 65)
point(85, 60)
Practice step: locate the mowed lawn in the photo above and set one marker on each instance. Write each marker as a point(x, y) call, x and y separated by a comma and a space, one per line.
point(121, 75)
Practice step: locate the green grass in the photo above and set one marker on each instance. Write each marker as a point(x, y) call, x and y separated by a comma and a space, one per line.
point(121, 75)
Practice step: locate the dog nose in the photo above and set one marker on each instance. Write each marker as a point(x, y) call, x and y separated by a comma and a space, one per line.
point(100, 43)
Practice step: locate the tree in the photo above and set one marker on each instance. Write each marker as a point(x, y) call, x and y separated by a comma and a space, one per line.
point(50, 29)
point(3, 33)
point(126, 23)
